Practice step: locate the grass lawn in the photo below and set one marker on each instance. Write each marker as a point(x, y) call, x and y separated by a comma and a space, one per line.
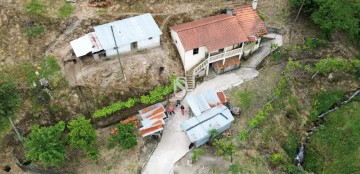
point(335, 147)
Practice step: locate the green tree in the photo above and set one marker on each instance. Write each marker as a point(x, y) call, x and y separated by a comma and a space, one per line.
point(46, 144)
point(125, 137)
point(10, 101)
point(83, 135)
point(334, 15)
point(225, 148)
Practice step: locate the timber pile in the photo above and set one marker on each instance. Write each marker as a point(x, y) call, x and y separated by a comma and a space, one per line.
point(99, 3)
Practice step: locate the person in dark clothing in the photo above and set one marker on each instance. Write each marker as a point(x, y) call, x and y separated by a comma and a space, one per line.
point(178, 103)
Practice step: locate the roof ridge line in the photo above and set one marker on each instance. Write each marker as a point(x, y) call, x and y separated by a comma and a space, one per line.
point(207, 23)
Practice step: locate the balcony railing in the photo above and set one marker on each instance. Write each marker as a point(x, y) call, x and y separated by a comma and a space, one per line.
point(224, 55)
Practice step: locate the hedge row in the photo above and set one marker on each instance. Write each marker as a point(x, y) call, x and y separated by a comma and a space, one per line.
point(154, 96)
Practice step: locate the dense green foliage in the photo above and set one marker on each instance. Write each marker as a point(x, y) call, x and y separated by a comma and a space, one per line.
point(125, 137)
point(334, 15)
point(66, 10)
point(46, 144)
point(196, 154)
point(82, 135)
point(328, 65)
point(154, 96)
point(324, 101)
point(224, 147)
point(334, 148)
point(10, 101)
point(33, 31)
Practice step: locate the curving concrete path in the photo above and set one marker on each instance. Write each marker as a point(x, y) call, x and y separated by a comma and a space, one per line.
point(174, 142)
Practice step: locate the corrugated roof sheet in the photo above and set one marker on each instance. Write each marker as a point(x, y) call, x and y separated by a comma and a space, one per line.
point(205, 101)
point(152, 119)
point(198, 127)
point(213, 32)
point(127, 31)
point(81, 46)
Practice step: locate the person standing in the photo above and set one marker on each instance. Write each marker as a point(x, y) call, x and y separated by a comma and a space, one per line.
point(182, 108)
point(171, 110)
point(178, 103)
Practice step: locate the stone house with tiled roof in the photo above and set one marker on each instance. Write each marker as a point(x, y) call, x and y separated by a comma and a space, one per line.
point(217, 41)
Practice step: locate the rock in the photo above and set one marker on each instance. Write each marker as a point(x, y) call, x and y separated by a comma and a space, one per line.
point(144, 62)
point(106, 73)
point(236, 111)
point(331, 76)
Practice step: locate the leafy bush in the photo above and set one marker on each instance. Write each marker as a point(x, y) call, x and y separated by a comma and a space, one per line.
point(35, 9)
point(154, 96)
point(262, 16)
point(324, 101)
point(66, 10)
point(34, 31)
point(196, 154)
point(213, 133)
point(83, 135)
point(276, 158)
point(46, 144)
point(125, 137)
point(10, 100)
point(235, 168)
point(260, 116)
point(325, 66)
point(224, 147)
point(315, 42)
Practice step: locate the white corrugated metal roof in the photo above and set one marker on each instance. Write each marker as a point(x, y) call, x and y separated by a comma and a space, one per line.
point(198, 127)
point(81, 46)
point(203, 102)
point(127, 31)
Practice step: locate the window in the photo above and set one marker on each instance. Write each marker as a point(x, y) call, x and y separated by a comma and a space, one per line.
point(150, 38)
point(237, 45)
point(221, 50)
point(195, 51)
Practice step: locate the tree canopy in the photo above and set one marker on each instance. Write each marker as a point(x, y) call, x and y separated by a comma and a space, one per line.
point(83, 135)
point(334, 15)
point(9, 99)
point(46, 144)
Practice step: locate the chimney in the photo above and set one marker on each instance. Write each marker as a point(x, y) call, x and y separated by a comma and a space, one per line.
point(230, 12)
point(254, 4)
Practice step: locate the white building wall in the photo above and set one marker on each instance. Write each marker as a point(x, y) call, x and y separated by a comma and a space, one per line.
point(149, 43)
point(191, 60)
point(122, 50)
point(178, 44)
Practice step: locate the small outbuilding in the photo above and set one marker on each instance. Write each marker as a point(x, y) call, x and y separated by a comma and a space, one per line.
point(210, 113)
point(152, 120)
point(123, 36)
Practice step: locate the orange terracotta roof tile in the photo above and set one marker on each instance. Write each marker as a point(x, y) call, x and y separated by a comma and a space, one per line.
point(250, 21)
point(158, 116)
point(214, 32)
point(156, 112)
point(220, 31)
point(151, 130)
